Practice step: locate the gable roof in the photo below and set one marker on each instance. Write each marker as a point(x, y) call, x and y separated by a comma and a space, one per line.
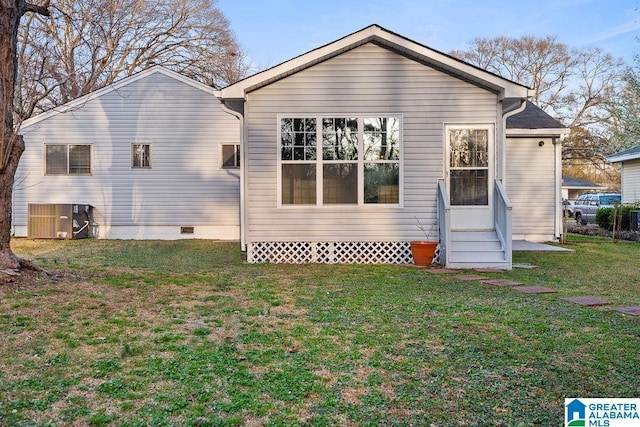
point(628, 154)
point(74, 104)
point(533, 121)
point(578, 184)
point(387, 39)
point(533, 117)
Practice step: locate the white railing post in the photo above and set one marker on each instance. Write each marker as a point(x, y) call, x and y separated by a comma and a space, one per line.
point(503, 211)
point(444, 222)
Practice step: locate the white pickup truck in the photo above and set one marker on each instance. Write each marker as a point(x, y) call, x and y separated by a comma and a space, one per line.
point(587, 204)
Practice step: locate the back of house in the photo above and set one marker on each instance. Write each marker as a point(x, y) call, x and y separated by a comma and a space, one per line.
point(347, 147)
point(154, 155)
point(336, 155)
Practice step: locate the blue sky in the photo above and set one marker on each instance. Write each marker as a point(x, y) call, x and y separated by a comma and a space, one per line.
point(273, 31)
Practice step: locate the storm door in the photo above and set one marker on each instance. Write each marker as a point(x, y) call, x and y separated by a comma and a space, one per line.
point(469, 173)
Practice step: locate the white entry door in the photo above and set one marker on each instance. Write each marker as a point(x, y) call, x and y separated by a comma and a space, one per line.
point(469, 170)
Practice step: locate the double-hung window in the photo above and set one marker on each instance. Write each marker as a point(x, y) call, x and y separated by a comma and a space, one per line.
point(348, 160)
point(67, 159)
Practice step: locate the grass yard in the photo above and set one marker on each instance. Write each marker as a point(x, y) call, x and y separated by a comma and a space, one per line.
point(137, 333)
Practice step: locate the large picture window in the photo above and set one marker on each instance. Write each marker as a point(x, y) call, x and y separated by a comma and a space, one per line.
point(339, 160)
point(67, 159)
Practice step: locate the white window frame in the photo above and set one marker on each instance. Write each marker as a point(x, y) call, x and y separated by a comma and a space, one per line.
point(133, 166)
point(237, 153)
point(319, 162)
point(67, 173)
point(490, 168)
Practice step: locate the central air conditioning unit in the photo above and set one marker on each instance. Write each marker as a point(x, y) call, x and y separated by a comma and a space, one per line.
point(59, 221)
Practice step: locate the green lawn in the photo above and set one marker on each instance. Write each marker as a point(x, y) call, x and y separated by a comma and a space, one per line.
point(136, 333)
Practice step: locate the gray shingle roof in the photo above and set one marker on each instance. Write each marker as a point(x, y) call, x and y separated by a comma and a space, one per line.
point(567, 181)
point(628, 154)
point(533, 118)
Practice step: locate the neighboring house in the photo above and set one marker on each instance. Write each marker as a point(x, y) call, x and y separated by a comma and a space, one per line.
point(344, 147)
point(154, 154)
point(333, 156)
point(573, 187)
point(630, 176)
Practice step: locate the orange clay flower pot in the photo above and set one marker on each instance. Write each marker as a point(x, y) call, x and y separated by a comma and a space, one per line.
point(423, 251)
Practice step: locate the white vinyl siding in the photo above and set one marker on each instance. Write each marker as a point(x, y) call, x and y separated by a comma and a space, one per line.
point(631, 181)
point(369, 81)
point(185, 187)
point(530, 184)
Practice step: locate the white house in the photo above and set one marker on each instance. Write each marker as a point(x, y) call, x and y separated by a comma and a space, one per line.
point(333, 156)
point(154, 154)
point(630, 176)
point(346, 147)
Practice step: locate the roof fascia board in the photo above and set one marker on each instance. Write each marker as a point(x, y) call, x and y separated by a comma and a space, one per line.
point(623, 158)
point(289, 67)
point(374, 33)
point(506, 88)
point(74, 104)
point(525, 133)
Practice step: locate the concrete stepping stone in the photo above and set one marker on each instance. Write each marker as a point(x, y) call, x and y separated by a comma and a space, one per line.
point(587, 301)
point(488, 270)
point(535, 290)
point(523, 265)
point(632, 310)
point(502, 282)
point(441, 271)
point(469, 277)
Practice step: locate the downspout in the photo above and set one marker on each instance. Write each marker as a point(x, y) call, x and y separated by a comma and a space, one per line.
point(507, 222)
point(557, 145)
point(243, 157)
point(559, 223)
point(505, 115)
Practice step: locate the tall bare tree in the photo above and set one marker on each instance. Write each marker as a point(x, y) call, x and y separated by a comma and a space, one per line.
point(626, 130)
point(89, 44)
point(11, 143)
point(577, 86)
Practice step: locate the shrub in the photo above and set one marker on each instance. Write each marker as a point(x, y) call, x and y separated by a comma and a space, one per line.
point(604, 217)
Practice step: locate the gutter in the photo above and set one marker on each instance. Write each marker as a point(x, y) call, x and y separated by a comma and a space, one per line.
point(513, 111)
point(243, 156)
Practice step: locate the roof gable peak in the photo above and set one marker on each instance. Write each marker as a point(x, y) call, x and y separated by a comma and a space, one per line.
point(387, 39)
point(75, 103)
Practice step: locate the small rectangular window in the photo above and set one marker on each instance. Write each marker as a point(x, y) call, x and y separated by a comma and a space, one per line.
point(141, 156)
point(230, 156)
point(67, 159)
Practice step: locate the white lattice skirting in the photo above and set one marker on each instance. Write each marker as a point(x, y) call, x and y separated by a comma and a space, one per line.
point(329, 252)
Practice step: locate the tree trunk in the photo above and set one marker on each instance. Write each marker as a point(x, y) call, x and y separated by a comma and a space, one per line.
point(11, 144)
point(7, 258)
